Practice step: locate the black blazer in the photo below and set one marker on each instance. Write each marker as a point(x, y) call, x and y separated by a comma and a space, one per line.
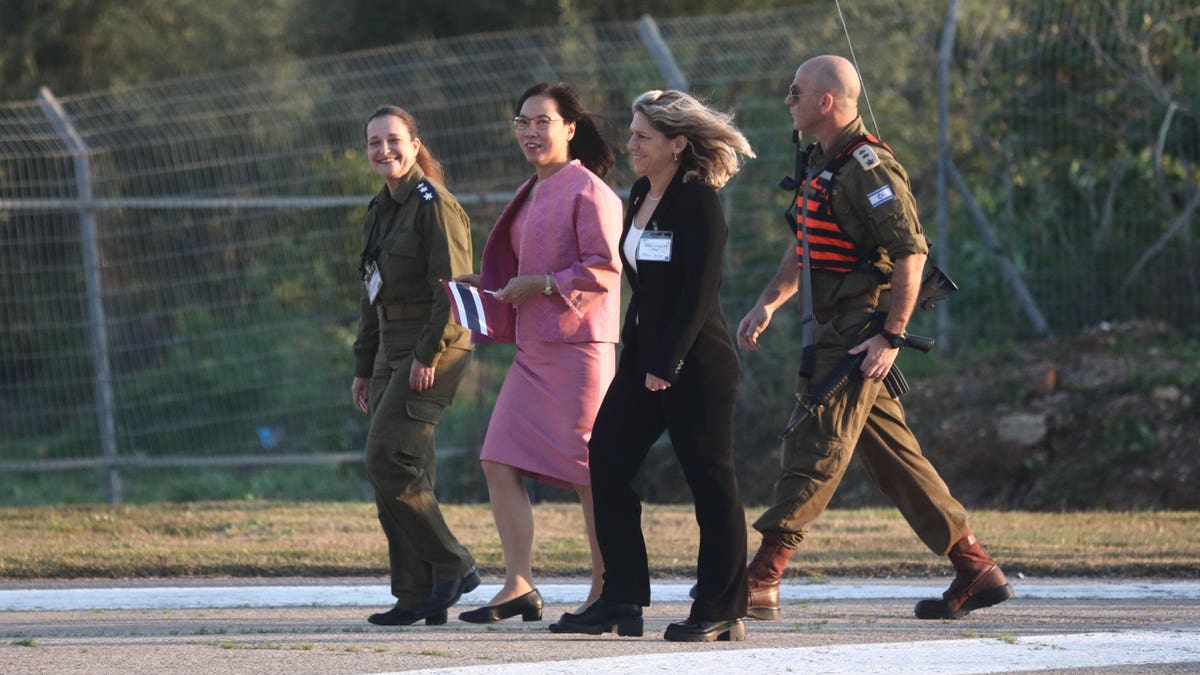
point(674, 323)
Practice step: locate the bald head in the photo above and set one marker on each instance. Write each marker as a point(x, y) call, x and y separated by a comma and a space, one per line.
point(837, 77)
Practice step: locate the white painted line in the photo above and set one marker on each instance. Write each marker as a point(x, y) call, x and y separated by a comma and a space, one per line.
point(931, 657)
point(346, 595)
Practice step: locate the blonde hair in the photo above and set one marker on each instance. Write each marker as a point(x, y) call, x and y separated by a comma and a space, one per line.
point(715, 148)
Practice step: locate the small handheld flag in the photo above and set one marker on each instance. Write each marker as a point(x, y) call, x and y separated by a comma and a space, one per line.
point(470, 307)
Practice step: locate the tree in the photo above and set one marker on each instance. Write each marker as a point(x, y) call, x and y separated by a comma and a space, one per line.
point(74, 46)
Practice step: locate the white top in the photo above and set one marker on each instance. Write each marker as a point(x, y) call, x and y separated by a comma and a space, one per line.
point(631, 245)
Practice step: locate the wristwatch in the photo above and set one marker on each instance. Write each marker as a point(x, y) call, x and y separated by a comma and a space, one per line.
point(549, 285)
point(894, 341)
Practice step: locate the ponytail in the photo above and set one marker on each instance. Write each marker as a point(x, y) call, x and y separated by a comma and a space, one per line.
point(432, 168)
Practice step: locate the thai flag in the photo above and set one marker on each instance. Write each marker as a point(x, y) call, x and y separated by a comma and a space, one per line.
point(471, 308)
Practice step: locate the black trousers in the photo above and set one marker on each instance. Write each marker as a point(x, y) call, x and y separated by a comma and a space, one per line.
point(698, 416)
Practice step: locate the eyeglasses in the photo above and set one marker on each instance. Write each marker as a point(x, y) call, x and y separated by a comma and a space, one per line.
point(794, 93)
point(540, 123)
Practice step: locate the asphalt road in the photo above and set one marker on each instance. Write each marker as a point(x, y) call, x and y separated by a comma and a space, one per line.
point(835, 634)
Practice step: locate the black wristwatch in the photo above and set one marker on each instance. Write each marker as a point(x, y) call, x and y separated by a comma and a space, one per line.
point(894, 341)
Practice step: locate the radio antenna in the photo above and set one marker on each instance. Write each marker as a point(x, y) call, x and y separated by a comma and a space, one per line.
point(861, 83)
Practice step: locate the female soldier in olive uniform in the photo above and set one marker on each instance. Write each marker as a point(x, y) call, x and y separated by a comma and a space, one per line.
point(409, 360)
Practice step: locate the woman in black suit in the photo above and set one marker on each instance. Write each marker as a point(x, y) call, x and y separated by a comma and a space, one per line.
point(678, 371)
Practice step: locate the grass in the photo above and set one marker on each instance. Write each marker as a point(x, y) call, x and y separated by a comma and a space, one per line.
point(262, 538)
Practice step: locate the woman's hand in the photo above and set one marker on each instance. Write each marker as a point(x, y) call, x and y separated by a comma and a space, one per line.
point(359, 392)
point(656, 383)
point(469, 279)
point(420, 377)
point(522, 288)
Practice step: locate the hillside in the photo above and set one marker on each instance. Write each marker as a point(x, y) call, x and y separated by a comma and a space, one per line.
point(1107, 419)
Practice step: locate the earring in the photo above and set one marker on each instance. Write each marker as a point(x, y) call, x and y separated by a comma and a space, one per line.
point(675, 158)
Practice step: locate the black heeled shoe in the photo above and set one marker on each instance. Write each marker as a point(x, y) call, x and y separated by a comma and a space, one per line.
point(602, 616)
point(529, 606)
point(690, 630)
point(398, 616)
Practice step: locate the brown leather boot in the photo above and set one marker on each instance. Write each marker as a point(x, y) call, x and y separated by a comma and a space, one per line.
point(978, 582)
point(763, 577)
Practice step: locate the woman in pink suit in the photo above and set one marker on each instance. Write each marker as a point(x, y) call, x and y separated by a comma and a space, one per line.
point(552, 257)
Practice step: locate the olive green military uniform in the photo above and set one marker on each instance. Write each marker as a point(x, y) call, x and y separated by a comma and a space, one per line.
point(864, 417)
point(419, 236)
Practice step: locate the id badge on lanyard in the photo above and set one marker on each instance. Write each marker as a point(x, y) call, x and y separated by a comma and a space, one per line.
point(373, 281)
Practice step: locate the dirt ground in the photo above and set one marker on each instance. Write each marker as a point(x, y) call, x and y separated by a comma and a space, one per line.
point(338, 640)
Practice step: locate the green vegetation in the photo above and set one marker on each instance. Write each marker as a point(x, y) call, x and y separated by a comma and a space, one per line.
point(81, 45)
point(1073, 123)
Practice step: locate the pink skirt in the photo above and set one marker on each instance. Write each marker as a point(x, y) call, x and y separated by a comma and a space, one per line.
point(544, 414)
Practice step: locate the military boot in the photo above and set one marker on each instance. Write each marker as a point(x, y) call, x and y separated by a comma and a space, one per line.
point(978, 582)
point(763, 577)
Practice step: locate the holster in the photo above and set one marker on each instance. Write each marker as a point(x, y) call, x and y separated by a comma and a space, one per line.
point(808, 362)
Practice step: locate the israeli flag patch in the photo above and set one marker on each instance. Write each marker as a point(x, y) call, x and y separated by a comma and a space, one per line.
point(881, 196)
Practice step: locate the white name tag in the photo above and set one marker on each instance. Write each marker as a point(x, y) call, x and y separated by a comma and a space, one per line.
point(374, 282)
point(655, 246)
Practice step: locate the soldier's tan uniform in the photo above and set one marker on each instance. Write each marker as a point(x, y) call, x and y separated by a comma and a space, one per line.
point(864, 417)
point(421, 236)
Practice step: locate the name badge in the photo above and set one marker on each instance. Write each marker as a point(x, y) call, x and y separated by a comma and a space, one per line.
point(655, 246)
point(373, 282)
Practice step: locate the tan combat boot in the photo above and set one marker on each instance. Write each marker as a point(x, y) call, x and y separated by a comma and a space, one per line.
point(763, 577)
point(978, 582)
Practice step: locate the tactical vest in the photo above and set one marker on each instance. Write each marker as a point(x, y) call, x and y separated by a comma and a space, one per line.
point(829, 247)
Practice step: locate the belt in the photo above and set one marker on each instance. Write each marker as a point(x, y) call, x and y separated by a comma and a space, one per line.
point(401, 311)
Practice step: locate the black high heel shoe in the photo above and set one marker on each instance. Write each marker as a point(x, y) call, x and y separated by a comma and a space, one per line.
point(398, 616)
point(529, 606)
point(602, 616)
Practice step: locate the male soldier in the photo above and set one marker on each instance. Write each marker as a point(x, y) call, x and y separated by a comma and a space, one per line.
point(867, 251)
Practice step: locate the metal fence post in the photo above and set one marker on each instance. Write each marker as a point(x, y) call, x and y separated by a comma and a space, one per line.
point(102, 381)
point(945, 51)
point(661, 53)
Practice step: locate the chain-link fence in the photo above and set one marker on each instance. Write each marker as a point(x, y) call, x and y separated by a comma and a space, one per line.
point(177, 261)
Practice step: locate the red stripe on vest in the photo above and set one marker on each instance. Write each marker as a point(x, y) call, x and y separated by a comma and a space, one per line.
point(830, 248)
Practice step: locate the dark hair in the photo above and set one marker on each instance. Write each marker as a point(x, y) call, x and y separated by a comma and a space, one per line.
point(588, 145)
point(432, 168)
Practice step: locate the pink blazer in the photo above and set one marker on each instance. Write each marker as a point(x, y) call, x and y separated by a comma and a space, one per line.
point(572, 233)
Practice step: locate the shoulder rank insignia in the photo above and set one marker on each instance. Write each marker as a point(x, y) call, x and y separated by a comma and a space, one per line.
point(866, 156)
point(426, 191)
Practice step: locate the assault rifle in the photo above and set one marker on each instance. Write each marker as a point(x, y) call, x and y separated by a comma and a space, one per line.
point(935, 287)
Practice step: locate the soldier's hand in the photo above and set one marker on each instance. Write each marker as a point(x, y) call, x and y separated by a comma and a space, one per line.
point(420, 376)
point(880, 357)
point(469, 279)
point(359, 391)
point(751, 326)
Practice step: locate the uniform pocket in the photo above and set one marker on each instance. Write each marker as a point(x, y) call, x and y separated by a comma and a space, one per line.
point(424, 410)
point(406, 245)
